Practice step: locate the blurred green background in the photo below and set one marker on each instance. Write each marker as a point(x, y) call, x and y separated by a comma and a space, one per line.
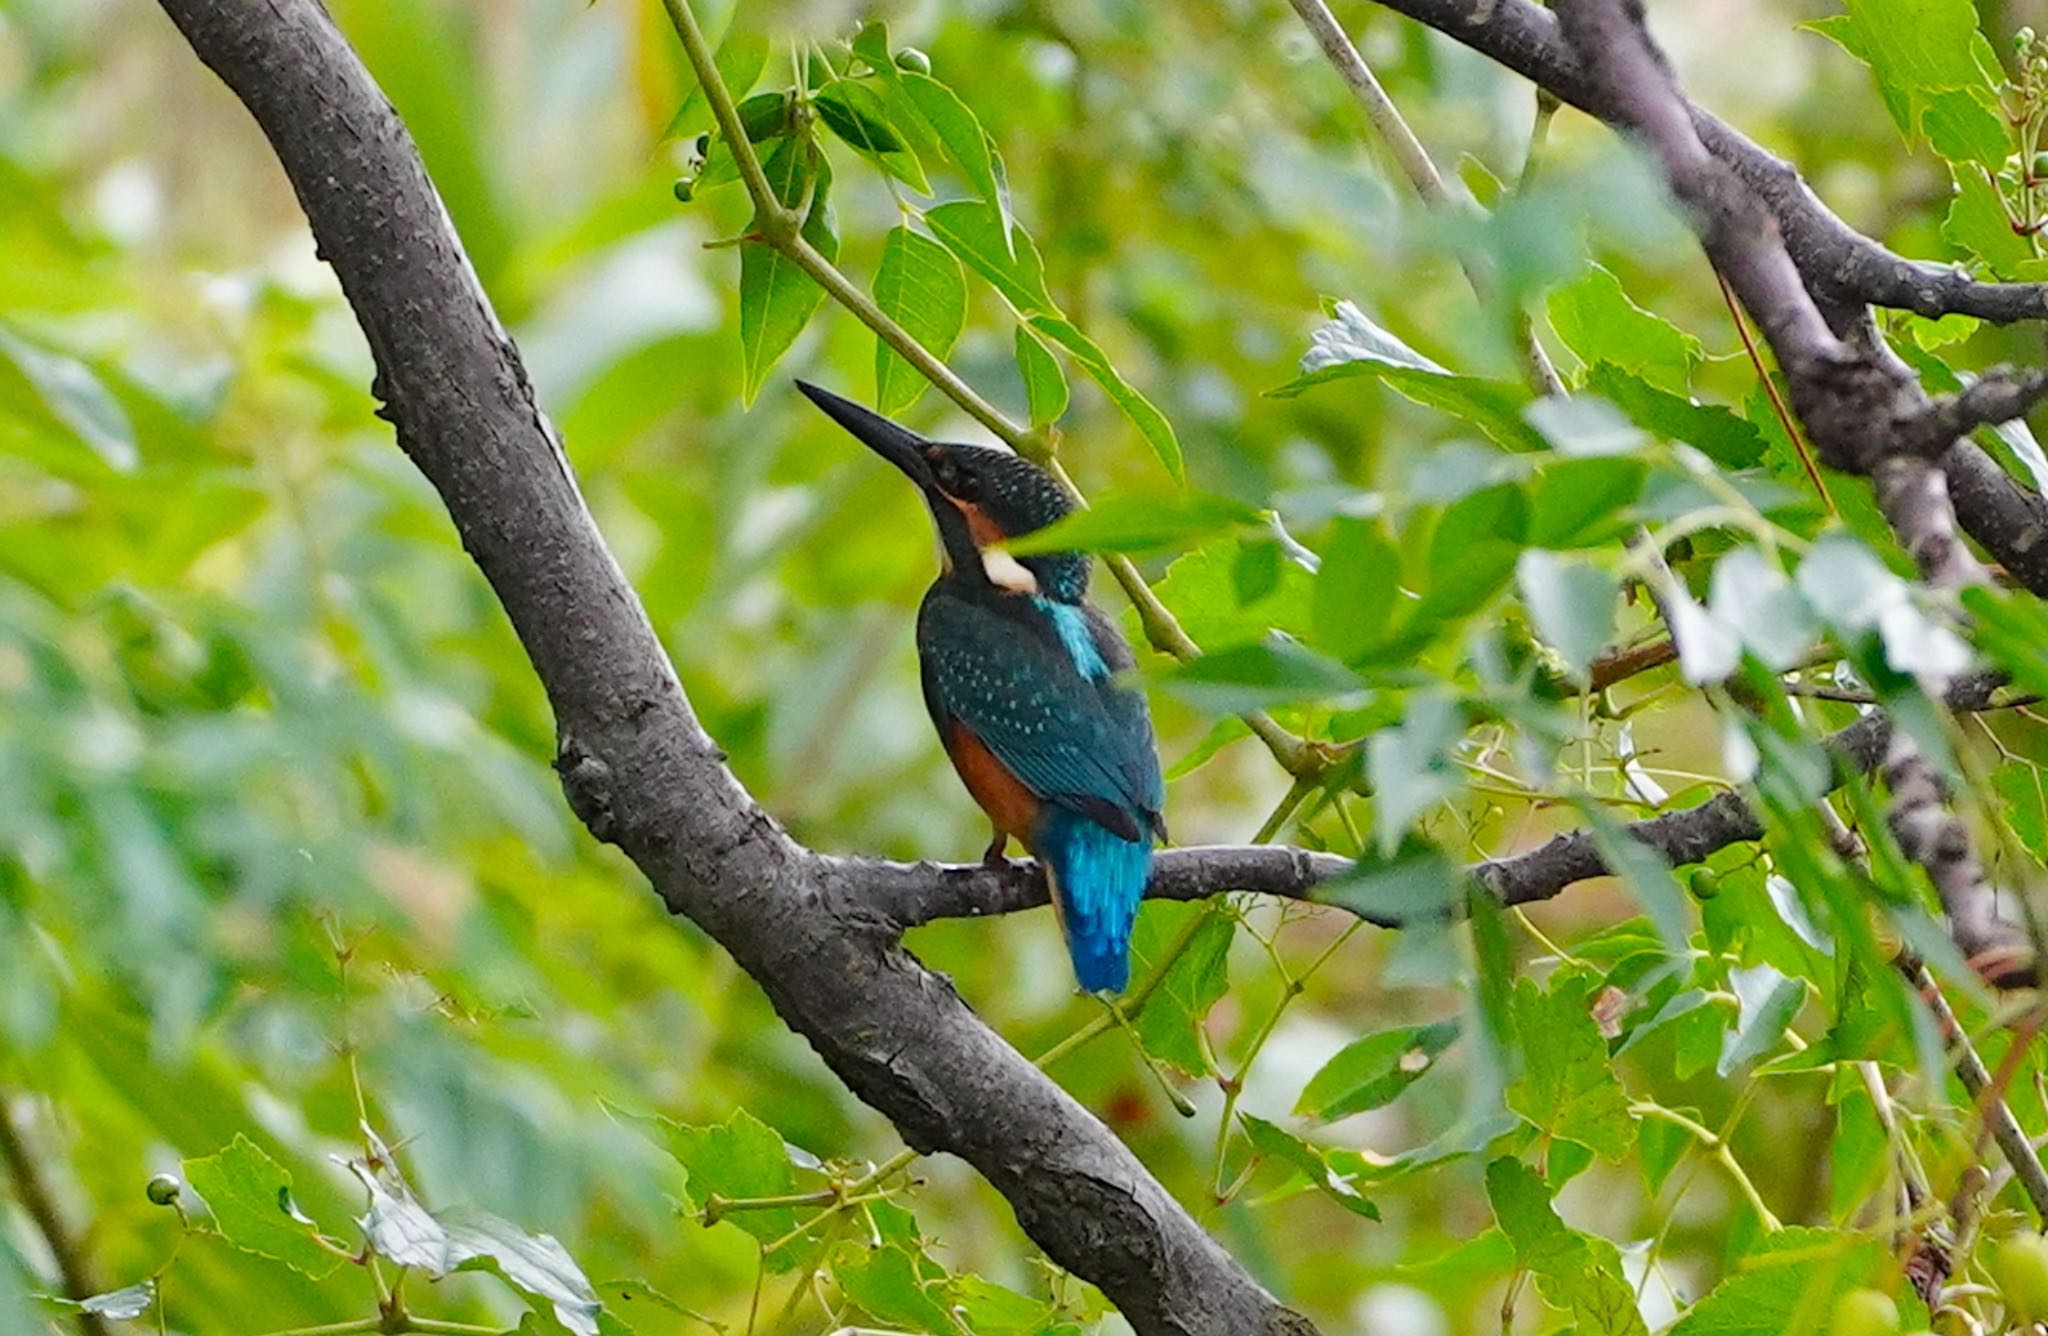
point(256, 703)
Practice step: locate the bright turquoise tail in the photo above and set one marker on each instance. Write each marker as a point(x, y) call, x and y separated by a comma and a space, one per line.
point(1099, 879)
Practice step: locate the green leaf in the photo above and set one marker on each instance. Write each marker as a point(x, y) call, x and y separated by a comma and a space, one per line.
point(1977, 224)
point(1721, 434)
point(776, 297)
point(1350, 346)
point(1273, 1142)
point(1571, 604)
point(740, 1158)
point(1580, 502)
point(1931, 62)
point(1964, 125)
point(1597, 321)
point(1788, 1283)
point(1584, 425)
point(1575, 1272)
point(1418, 884)
point(250, 1196)
point(1370, 1072)
point(853, 112)
point(1356, 589)
point(1202, 589)
point(977, 234)
point(535, 1264)
point(887, 1284)
point(75, 398)
point(1410, 765)
point(1252, 677)
point(957, 131)
point(1168, 1025)
point(920, 287)
point(742, 55)
point(1132, 522)
point(1568, 1088)
point(1150, 422)
point(1473, 552)
point(1045, 385)
point(1770, 1002)
point(765, 116)
point(2013, 631)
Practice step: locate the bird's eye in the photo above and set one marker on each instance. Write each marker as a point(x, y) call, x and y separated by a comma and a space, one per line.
point(959, 482)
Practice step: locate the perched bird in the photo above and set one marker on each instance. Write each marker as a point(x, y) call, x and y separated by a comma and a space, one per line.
point(1020, 677)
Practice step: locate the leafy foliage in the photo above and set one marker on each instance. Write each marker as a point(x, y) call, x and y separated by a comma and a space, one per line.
point(283, 862)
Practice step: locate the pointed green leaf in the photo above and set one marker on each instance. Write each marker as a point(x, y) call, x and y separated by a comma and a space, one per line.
point(920, 287)
point(1576, 1272)
point(776, 297)
point(960, 135)
point(1572, 605)
point(1128, 522)
point(1150, 422)
point(1275, 1142)
point(976, 234)
point(1596, 320)
point(1356, 589)
point(1045, 385)
point(1370, 1072)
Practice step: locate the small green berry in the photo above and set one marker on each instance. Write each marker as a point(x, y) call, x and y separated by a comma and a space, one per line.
point(1864, 1313)
point(164, 1190)
point(2020, 1267)
point(2022, 38)
point(1704, 883)
point(914, 60)
point(685, 189)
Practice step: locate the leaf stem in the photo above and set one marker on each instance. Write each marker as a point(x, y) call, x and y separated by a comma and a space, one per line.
point(1717, 1146)
point(778, 228)
point(705, 62)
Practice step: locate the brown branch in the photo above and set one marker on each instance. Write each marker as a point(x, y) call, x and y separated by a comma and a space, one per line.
point(1846, 268)
point(1843, 269)
point(635, 762)
point(30, 1189)
point(910, 894)
point(1863, 409)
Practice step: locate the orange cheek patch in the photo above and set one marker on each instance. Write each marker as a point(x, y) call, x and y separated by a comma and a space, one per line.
point(980, 527)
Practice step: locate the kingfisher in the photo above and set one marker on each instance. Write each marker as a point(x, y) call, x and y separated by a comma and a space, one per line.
point(1021, 678)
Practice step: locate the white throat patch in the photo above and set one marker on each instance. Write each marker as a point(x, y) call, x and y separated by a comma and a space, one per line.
point(1006, 572)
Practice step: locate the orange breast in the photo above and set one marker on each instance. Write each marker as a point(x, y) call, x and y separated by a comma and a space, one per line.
point(1011, 807)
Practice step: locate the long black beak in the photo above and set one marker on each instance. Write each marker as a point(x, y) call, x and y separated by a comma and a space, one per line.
point(899, 445)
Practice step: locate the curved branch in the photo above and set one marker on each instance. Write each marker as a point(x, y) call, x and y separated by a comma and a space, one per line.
point(635, 763)
point(1843, 265)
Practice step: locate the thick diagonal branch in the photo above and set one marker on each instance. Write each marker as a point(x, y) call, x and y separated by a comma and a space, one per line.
point(1844, 270)
point(636, 764)
point(1864, 409)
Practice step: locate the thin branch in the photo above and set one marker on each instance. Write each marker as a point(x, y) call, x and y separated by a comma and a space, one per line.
point(30, 1189)
point(2012, 1142)
point(1415, 164)
point(909, 894)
